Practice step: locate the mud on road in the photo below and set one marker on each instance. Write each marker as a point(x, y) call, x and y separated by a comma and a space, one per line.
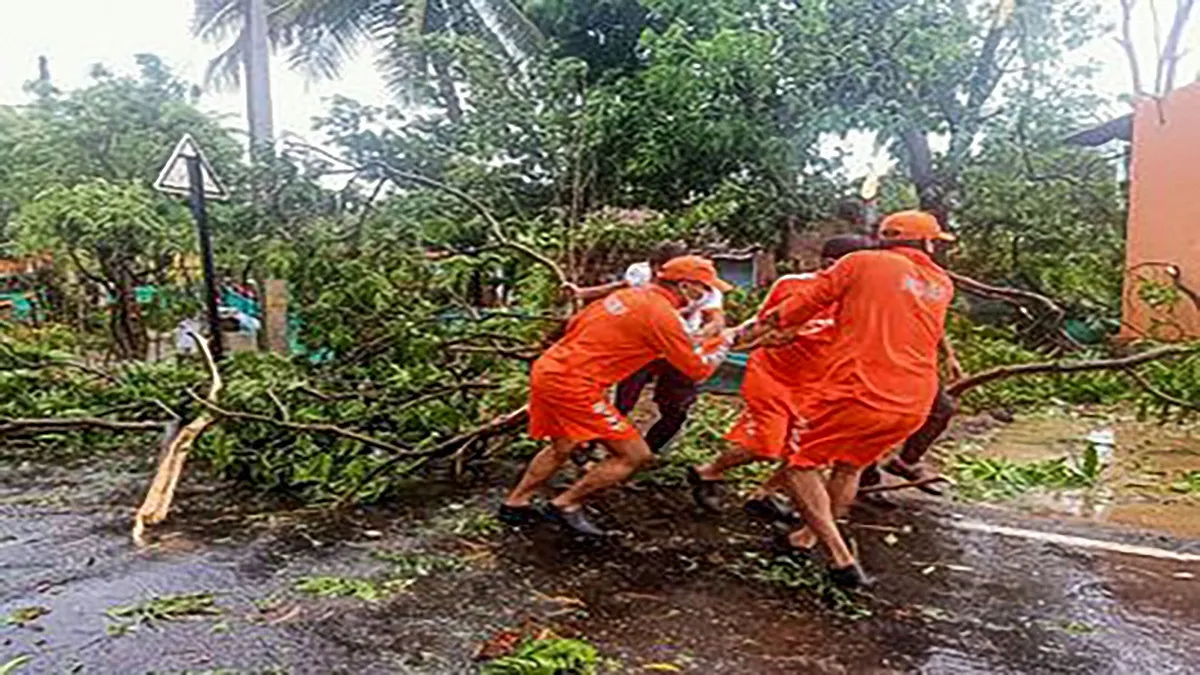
point(677, 592)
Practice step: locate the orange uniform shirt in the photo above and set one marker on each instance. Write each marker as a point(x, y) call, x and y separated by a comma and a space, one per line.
point(796, 363)
point(613, 338)
point(890, 317)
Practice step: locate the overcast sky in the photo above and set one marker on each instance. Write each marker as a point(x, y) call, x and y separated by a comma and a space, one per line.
point(75, 34)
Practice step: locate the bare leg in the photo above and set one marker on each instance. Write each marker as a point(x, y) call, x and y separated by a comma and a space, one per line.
point(541, 469)
point(842, 487)
point(730, 459)
point(810, 495)
point(776, 483)
point(625, 457)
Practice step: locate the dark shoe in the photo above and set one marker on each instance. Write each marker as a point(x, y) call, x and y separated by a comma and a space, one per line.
point(516, 516)
point(706, 493)
point(574, 520)
point(781, 546)
point(850, 578)
point(913, 472)
point(772, 510)
point(869, 477)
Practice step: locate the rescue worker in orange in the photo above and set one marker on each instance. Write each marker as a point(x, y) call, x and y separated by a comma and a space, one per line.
point(605, 343)
point(882, 374)
point(781, 374)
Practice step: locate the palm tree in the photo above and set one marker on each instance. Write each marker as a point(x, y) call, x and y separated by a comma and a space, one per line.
point(320, 36)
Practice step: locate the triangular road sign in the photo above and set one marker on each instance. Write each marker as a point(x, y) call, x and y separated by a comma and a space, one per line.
point(173, 179)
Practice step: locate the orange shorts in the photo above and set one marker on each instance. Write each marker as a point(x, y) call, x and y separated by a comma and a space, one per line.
point(563, 406)
point(848, 432)
point(773, 409)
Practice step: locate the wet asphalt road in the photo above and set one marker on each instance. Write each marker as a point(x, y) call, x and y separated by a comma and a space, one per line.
point(668, 593)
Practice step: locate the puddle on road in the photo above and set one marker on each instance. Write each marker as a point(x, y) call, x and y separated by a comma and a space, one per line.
point(1134, 488)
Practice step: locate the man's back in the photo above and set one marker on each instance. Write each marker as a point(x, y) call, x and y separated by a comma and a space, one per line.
point(614, 337)
point(891, 316)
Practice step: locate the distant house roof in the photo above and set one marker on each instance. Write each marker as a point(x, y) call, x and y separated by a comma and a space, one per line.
point(1120, 128)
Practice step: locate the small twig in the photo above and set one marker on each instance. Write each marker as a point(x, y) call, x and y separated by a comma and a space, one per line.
point(19, 427)
point(523, 355)
point(1159, 393)
point(283, 413)
point(321, 428)
point(909, 484)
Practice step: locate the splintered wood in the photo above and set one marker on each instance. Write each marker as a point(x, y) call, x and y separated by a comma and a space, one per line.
point(176, 446)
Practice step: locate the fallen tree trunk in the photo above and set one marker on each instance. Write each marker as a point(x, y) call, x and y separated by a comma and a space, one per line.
point(158, 499)
point(956, 389)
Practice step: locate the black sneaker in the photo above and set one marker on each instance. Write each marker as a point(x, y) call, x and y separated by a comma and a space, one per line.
point(516, 516)
point(773, 510)
point(574, 520)
point(850, 578)
point(706, 493)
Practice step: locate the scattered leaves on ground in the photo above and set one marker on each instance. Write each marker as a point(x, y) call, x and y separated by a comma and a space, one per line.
point(12, 665)
point(545, 654)
point(369, 590)
point(161, 608)
point(988, 478)
point(1189, 483)
point(807, 575)
point(23, 616)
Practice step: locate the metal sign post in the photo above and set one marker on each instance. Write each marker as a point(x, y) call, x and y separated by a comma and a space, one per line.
point(188, 173)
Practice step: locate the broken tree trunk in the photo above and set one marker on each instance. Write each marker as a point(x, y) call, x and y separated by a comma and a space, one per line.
point(157, 504)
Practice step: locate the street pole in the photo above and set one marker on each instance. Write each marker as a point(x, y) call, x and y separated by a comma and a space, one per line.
point(200, 212)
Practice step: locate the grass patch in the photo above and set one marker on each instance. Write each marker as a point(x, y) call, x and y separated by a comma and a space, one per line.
point(161, 608)
point(988, 478)
point(415, 565)
point(550, 655)
point(805, 575)
point(23, 616)
point(368, 590)
point(1189, 483)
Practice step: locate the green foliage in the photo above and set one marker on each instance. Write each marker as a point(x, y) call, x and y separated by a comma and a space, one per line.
point(1188, 483)
point(546, 656)
point(980, 348)
point(806, 575)
point(997, 478)
point(14, 664)
point(367, 590)
point(407, 565)
point(23, 616)
point(161, 608)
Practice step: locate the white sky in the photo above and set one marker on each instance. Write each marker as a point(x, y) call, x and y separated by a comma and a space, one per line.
point(75, 34)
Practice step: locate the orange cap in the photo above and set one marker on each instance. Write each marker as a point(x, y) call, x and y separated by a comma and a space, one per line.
point(694, 268)
point(918, 225)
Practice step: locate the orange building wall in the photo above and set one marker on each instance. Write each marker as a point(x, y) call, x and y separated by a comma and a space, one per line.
point(1164, 218)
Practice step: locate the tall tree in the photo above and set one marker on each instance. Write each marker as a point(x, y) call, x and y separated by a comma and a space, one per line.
point(319, 36)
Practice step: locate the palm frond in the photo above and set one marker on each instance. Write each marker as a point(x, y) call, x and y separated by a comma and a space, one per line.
point(519, 36)
point(325, 34)
point(224, 72)
point(217, 20)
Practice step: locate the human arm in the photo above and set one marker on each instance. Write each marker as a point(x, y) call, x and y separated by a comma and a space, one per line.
point(668, 335)
point(953, 366)
point(804, 301)
point(589, 293)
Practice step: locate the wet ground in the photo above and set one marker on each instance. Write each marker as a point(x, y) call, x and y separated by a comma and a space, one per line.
point(1135, 486)
point(677, 592)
